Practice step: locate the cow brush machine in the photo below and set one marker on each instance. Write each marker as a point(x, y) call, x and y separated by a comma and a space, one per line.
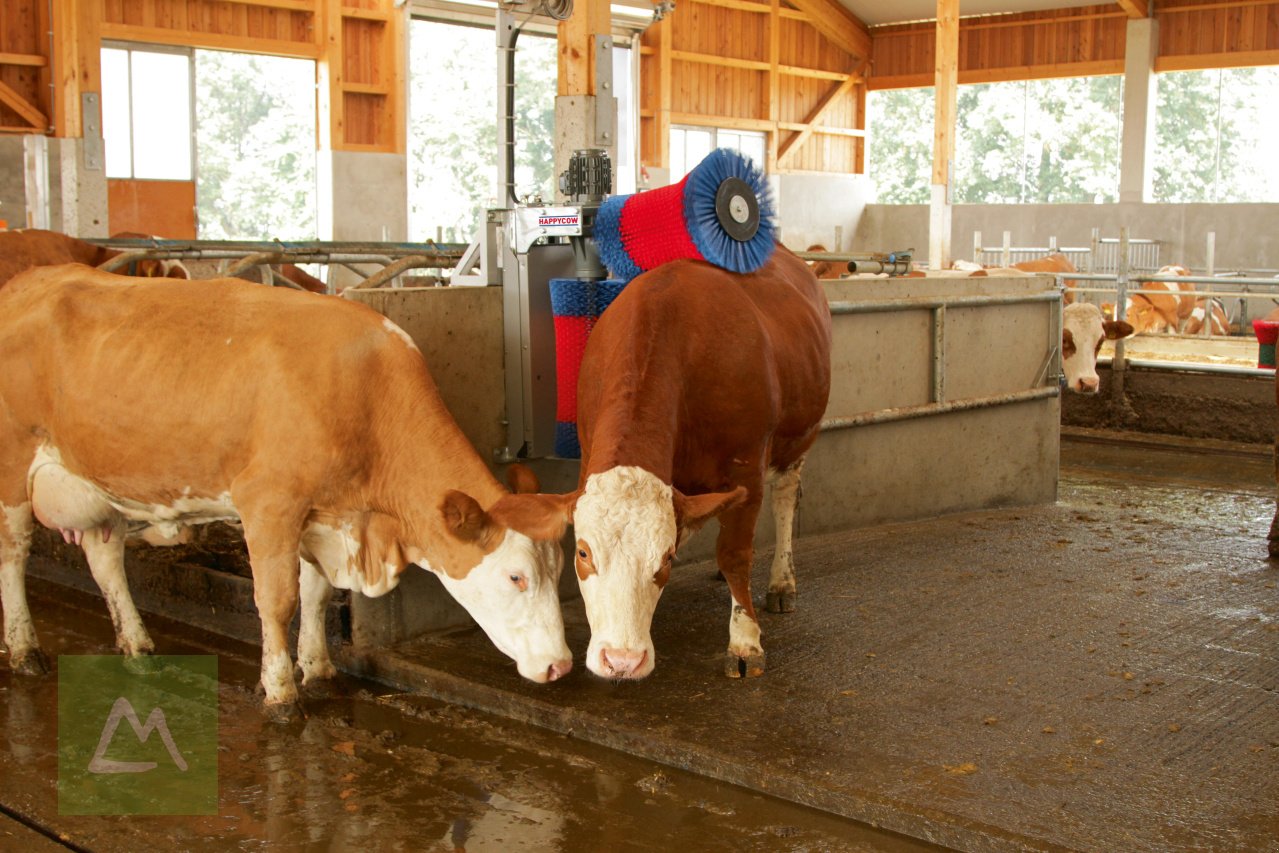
point(548, 258)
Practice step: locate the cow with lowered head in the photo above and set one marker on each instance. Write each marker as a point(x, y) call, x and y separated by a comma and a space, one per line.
point(697, 387)
point(156, 402)
point(33, 247)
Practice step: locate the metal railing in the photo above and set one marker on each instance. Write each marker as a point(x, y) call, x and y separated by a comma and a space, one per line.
point(1102, 255)
point(391, 259)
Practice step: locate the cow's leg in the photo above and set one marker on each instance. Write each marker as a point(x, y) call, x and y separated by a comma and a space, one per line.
point(272, 530)
point(25, 655)
point(735, 551)
point(104, 549)
point(781, 577)
point(313, 646)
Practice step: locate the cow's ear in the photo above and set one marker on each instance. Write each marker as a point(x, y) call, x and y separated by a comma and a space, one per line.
point(691, 512)
point(463, 517)
point(1116, 329)
point(541, 517)
point(1067, 343)
point(522, 480)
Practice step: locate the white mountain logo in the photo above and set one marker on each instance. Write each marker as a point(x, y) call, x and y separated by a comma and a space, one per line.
point(123, 709)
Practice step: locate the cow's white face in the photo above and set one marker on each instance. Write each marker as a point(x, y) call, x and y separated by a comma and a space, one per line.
point(1083, 332)
point(513, 593)
point(624, 522)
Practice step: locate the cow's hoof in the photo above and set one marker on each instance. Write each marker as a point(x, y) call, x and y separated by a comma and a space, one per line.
point(737, 666)
point(282, 713)
point(31, 662)
point(780, 602)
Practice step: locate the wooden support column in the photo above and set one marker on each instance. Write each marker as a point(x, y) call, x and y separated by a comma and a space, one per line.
point(946, 79)
point(76, 63)
point(774, 82)
point(585, 109)
point(665, 88)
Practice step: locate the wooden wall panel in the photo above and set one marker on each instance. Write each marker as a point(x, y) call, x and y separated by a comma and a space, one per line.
point(163, 208)
point(24, 99)
point(1197, 34)
point(723, 73)
point(280, 27)
point(1058, 43)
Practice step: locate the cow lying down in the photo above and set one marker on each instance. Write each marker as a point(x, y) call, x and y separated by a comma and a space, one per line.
point(313, 421)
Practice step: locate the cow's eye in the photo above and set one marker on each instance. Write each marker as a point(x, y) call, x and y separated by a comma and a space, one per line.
point(520, 582)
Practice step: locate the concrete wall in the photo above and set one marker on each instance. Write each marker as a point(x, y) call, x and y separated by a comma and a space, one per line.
point(1247, 234)
point(820, 209)
point(1000, 456)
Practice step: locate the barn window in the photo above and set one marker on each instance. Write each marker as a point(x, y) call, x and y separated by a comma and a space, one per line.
point(1214, 136)
point(690, 144)
point(146, 112)
point(1031, 141)
point(255, 143)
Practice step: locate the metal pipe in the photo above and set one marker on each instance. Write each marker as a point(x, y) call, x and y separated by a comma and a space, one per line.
point(931, 302)
point(244, 247)
point(1187, 367)
point(391, 271)
point(256, 259)
point(904, 413)
point(939, 354)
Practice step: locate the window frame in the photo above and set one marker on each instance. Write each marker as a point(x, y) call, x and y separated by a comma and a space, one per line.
point(131, 48)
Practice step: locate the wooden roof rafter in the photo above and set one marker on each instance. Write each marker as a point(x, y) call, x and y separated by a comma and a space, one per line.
point(837, 24)
point(29, 112)
point(1135, 8)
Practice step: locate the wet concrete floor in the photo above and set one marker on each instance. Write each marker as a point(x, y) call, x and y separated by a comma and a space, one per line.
point(1098, 674)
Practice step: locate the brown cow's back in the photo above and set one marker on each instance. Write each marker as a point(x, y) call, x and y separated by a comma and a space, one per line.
point(693, 366)
point(126, 376)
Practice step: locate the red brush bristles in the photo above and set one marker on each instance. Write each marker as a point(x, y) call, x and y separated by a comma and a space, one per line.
point(652, 227)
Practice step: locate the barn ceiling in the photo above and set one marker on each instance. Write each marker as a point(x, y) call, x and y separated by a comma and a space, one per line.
point(873, 12)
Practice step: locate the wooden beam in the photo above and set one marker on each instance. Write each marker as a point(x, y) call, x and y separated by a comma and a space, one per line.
point(1135, 8)
point(716, 59)
point(819, 130)
point(1204, 61)
point(1096, 68)
point(816, 73)
point(730, 122)
point(216, 41)
point(814, 115)
point(838, 25)
point(739, 5)
point(22, 107)
point(31, 59)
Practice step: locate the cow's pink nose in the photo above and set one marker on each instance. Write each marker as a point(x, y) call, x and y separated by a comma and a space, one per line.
point(559, 669)
point(622, 662)
point(1088, 386)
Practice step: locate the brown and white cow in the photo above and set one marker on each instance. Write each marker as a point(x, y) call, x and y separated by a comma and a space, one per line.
point(313, 421)
point(1083, 331)
point(22, 250)
point(697, 385)
point(1167, 308)
point(1219, 323)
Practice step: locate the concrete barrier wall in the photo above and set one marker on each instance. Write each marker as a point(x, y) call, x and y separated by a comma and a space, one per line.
point(1000, 456)
point(1247, 234)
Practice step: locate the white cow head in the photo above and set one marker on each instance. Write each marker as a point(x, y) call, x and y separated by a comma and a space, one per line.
point(512, 591)
point(628, 525)
point(1083, 331)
